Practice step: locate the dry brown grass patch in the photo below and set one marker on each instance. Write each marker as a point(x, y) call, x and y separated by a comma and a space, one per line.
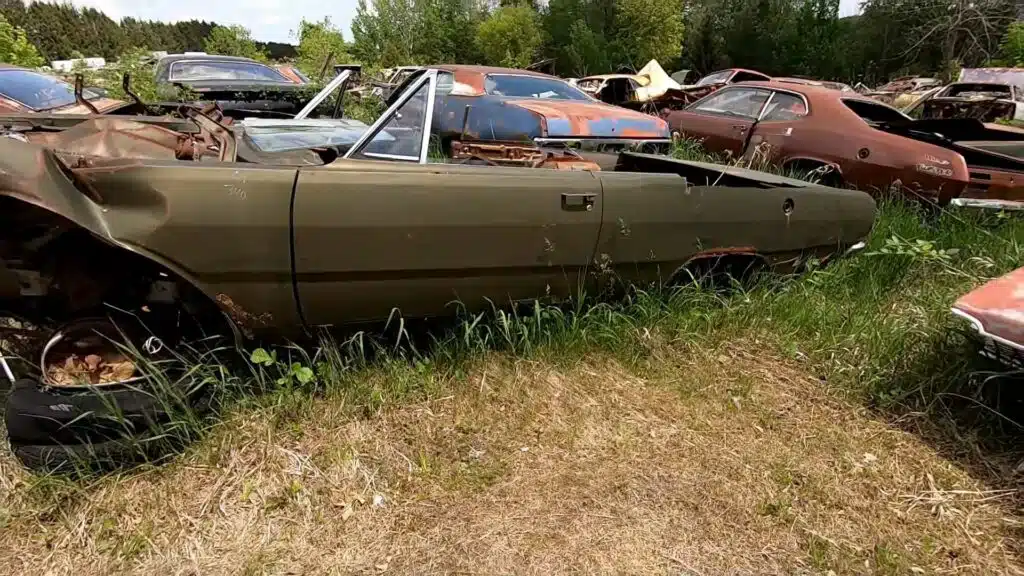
point(724, 462)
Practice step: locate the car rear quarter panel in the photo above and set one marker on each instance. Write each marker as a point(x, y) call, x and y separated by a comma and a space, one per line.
point(655, 223)
point(867, 158)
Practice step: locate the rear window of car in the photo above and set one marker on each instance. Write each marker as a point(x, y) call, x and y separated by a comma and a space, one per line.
point(38, 91)
point(715, 78)
point(873, 113)
point(514, 86)
point(213, 70)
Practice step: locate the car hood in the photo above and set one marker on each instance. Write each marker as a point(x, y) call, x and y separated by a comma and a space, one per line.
point(997, 308)
point(578, 119)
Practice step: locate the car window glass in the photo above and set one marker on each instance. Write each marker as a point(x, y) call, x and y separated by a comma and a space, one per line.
point(211, 70)
point(874, 113)
point(401, 138)
point(38, 91)
point(785, 106)
point(515, 86)
point(716, 78)
point(445, 83)
point(737, 102)
point(745, 76)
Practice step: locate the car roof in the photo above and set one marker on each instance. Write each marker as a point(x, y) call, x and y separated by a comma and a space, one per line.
point(469, 69)
point(170, 58)
point(472, 77)
point(810, 91)
point(608, 76)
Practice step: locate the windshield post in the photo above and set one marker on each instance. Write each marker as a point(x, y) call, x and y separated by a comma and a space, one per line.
point(323, 94)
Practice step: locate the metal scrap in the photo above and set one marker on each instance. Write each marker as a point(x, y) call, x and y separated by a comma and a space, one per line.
point(522, 155)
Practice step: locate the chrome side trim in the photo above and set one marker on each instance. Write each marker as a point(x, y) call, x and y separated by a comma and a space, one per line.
point(983, 333)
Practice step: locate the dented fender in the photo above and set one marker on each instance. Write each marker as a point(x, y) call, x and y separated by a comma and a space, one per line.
point(224, 228)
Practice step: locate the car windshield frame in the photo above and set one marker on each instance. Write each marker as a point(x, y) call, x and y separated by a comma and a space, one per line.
point(171, 77)
point(427, 76)
point(490, 85)
point(53, 81)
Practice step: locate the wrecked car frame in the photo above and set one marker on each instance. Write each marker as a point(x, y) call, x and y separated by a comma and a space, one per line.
point(160, 217)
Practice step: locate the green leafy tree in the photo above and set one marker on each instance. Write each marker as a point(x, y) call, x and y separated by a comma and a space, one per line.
point(15, 47)
point(511, 36)
point(233, 41)
point(384, 32)
point(649, 29)
point(318, 42)
point(1012, 46)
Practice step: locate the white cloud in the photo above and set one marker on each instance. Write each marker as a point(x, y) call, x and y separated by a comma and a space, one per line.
point(269, 20)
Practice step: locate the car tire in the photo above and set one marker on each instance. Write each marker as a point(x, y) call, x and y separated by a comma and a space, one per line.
point(42, 415)
point(89, 457)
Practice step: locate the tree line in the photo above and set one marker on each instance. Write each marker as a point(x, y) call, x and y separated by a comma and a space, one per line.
point(579, 37)
point(62, 31)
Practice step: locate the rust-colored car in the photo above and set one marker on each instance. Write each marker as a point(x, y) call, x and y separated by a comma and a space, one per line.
point(198, 230)
point(996, 312)
point(507, 105)
point(27, 91)
point(900, 92)
point(811, 128)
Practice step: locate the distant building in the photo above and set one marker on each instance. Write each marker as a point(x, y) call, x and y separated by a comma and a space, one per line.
point(69, 65)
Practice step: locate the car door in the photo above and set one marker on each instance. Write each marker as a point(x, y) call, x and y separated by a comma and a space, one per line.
point(722, 120)
point(383, 231)
point(779, 127)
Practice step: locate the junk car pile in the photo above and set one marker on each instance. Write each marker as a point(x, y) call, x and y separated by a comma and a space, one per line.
point(480, 185)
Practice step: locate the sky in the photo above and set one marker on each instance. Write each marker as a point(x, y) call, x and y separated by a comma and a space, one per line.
point(269, 20)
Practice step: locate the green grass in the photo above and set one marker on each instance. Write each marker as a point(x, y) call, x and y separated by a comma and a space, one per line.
point(875, 327)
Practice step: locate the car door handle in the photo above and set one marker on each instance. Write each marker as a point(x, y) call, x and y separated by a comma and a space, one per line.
point(578, 201)
point(740, 127)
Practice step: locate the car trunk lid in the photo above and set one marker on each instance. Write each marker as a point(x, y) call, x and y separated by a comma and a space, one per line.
point(578, 119)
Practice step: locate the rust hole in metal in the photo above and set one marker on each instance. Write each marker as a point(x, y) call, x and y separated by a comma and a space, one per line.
point(788, 206)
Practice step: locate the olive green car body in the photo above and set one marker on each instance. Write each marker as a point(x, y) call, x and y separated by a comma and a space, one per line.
point(283, 249)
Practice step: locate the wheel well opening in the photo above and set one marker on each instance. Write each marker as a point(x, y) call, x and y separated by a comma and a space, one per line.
point(53, 271)
point(815, 171)
point(720, 271)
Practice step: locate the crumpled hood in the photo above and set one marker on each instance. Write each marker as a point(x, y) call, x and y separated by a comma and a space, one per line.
point(997, 308)
point(578, 119)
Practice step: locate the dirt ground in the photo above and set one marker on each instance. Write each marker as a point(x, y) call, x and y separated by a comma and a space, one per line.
point(721, 462)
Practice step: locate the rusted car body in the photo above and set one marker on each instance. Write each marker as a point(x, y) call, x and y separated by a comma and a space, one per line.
point(900, 92)
point(824, 83)
point(153, 215)
point(293, 73)
point(988, 102)
point(996, 313)
point(27, 91)
point(610, 88)
point(241, 87)
point(992, 153)
point(507, 105)
point(811, 128)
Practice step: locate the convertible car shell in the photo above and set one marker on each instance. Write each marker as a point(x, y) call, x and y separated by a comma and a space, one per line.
point(284, 248)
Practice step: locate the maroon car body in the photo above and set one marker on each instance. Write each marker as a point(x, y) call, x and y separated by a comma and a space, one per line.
point(996, 311)
point(806, 127)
